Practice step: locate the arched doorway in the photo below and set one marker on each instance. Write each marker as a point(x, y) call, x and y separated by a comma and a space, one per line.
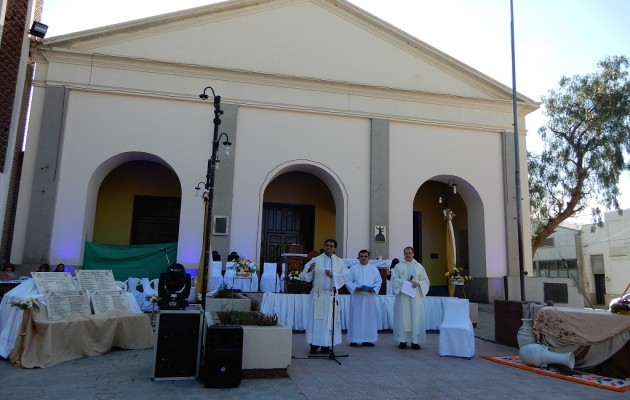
point(138, 203)
point(429, 229)
point(298, 209)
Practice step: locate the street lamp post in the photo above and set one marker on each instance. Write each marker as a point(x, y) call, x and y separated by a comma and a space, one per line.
point(208, 197)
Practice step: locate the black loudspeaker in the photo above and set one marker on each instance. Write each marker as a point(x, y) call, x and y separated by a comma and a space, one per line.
point(178, 345)
point(223, 356)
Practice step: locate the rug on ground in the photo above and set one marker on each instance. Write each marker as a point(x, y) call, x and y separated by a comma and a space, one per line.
point(618, 385)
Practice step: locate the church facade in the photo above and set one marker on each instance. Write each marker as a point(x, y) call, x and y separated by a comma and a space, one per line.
point(340, 126)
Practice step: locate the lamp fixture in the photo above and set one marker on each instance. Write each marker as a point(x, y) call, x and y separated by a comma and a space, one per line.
point(451, 186)
point(38, 30)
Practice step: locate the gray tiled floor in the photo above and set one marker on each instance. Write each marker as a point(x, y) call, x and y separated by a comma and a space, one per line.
point(382, 372)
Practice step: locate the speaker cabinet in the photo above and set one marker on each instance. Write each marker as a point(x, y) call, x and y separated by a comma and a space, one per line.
point(223, 356)
point(178, 343)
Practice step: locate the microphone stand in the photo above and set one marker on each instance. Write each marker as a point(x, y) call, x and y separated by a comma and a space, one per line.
point(331, 355)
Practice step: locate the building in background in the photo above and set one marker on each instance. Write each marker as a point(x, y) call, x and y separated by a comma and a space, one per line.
point(596, 257)
point(606, 257)
point(339, 123)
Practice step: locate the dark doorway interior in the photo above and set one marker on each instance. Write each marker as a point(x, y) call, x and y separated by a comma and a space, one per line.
point(417, 236)
point(600, 288)
point(155, 220)
point(282, 225)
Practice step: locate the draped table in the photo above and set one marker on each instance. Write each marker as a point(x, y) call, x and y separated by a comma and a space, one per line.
point(291, 308)
point(57, 334)
point(599, 339)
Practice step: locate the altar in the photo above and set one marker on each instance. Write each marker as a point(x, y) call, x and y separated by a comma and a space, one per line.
point(291, 309)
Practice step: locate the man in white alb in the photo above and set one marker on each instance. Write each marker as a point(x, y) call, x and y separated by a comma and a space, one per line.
point(410, 284)
point(363, 281)
point(326, 271)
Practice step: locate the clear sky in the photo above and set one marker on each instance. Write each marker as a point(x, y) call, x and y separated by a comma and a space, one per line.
point(552, 37)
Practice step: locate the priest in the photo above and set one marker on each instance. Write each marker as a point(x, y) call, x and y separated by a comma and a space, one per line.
point(363, 282)
point(410, 284)
point(326, 271)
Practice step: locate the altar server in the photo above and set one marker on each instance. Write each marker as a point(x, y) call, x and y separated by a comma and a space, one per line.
point(363, 282)
point(327, 274)
point(410, 284)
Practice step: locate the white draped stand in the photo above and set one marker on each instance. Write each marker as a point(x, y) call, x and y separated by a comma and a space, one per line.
point(290, 309)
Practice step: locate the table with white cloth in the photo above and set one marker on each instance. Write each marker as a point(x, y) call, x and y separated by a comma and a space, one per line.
point(11, 317)
point(291, 309)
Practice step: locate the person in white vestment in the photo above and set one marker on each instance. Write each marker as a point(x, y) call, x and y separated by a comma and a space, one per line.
point(410, 284)
point(326, 271)
point(363, 281)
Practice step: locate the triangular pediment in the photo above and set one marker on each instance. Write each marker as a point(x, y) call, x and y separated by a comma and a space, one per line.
point(327, 40)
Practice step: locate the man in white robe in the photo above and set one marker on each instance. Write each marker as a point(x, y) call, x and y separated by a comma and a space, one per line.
point(410, 284)
point(327, 274)
point(363, 281)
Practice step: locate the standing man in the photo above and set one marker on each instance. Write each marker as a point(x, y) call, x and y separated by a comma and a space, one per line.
point(410, 284)
point(363, 282)
point(326, 271)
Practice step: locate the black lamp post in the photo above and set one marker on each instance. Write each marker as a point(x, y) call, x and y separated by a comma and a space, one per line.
point(208, 197)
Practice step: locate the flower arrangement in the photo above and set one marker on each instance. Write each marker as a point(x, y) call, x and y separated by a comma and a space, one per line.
point(26, 304)
point(154, 298)
point(456, 276)
point(243, 266)
point(621, 304)
point(294, 277)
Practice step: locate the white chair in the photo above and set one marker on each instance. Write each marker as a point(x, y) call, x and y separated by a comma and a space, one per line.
point(133, 284)
point(269, 281)
point(121, 285)
point(457, 337)
point(229, 277)
point(154, 284)
point(215, 280)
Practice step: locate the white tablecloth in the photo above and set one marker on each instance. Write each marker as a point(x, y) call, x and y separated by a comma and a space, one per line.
point(290, 309)
point(11, 317)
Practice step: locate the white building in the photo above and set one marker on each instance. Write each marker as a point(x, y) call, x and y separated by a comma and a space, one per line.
point(606, 257)
point(597, 257)
point(340, 123)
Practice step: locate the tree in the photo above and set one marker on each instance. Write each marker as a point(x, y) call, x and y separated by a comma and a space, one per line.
point(586, 141)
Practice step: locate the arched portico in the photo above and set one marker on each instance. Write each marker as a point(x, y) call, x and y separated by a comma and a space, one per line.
point(333, 183)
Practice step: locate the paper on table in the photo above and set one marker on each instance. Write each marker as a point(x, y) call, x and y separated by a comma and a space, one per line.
point(408, 289)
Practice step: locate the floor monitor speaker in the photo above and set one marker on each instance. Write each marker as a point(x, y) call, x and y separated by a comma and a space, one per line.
point(223, 356)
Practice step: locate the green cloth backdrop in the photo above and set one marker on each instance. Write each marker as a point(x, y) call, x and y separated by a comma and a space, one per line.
point(130, 261)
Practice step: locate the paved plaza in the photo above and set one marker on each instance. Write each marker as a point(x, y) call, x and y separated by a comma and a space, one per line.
point(382, 372)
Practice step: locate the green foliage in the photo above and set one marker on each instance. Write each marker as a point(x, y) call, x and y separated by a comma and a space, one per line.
point(247, 318)
point(586, 143)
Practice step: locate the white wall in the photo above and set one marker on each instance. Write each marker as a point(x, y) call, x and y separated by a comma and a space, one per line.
point(337, 146)
point(420, 152)
point(103, 126)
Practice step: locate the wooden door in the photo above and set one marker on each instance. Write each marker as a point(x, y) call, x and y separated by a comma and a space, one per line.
point(283, 225)
point(155, 220)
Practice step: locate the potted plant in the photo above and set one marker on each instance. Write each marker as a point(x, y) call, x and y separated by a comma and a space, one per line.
point(224, 299)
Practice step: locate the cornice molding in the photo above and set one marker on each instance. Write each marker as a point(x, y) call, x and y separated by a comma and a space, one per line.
point(226, 77)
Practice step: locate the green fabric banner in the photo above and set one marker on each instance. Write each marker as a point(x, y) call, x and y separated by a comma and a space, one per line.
point(130, 261)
